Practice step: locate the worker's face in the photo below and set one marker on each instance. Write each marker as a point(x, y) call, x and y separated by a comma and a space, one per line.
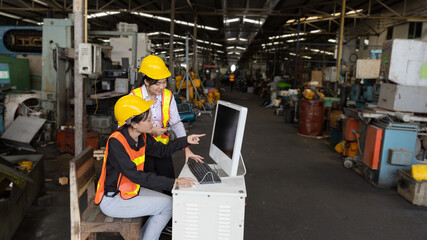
point(157, 88)
point(145, 126)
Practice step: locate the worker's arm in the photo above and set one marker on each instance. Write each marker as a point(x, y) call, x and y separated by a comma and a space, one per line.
point(178, 128)
point(160, 150)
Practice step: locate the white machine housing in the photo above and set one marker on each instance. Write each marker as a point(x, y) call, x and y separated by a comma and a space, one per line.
point(403, 98)
point(89, 58)
point(368, 68)
point(403, 61)
point(122, 48)
point(229, 165)
point(330, 74)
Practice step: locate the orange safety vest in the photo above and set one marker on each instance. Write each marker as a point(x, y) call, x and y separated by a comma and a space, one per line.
point(166, 101)
point(231, 77)
point(126, 187)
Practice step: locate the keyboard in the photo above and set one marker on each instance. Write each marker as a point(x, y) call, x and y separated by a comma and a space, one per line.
point(203, 173)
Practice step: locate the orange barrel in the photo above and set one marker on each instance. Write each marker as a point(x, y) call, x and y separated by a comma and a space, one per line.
point(311, 117)
point(215, 91)
point(192, 75)
point(178, 78)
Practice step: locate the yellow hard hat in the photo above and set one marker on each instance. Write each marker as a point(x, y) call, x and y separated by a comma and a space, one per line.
point(154, 67)
point(130, 106)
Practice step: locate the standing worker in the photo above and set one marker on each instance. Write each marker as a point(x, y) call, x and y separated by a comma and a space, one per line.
point(164, 114)
point(124, 188)
point(231, 81)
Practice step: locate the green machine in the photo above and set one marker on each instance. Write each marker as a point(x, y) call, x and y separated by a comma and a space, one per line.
point(19, 73)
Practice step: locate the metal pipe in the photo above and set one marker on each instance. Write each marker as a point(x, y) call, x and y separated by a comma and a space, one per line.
point(171, 60)
point(296, 56)
point(79, 98)
point(195, 67)
point(186, 69)
point(339, 57)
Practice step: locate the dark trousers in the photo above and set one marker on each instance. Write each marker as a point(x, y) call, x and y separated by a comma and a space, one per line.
point(231, 86)
point(160, 166)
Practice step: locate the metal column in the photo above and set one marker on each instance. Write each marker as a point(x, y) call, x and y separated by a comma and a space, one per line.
point(339, 57)
point(171, 60)
point(79, 10)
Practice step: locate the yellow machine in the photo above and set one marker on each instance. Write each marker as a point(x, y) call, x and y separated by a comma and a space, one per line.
point(308, 94)
point(348, 149)
point(312, 93)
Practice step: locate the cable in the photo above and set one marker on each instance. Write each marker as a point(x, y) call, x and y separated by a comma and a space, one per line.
point(243, 162)
point(96, 98)
point(207, 175)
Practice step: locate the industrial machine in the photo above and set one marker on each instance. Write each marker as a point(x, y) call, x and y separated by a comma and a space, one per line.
point(366, 90)
point(389, 146)
point(16, 40)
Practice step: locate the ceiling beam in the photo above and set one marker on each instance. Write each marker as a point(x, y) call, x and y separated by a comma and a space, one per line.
point(389, 8)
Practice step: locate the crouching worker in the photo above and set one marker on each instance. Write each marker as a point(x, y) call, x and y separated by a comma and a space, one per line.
point(124, 189)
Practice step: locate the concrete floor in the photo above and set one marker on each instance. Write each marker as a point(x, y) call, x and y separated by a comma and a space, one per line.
point(297, 189)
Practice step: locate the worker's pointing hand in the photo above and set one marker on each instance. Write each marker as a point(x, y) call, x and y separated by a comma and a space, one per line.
point(194, 138)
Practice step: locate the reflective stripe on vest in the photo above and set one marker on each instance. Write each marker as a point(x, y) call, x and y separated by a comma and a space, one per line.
point(232, 78)
point(127, 188)
point(166, 101)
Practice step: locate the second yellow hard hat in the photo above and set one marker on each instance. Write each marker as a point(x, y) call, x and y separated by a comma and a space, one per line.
point(154, 67)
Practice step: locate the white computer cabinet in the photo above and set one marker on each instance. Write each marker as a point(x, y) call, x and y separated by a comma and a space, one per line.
point(209, 211)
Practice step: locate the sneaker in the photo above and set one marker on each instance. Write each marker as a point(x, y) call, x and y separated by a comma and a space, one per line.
point(167, 230)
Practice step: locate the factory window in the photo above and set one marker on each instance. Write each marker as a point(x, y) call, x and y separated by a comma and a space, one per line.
point(389, 33)
point(415, 29)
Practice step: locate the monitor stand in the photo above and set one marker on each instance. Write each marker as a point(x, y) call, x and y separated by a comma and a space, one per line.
point(241, 169)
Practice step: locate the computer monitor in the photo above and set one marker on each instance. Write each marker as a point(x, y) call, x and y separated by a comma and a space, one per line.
point(227, 136)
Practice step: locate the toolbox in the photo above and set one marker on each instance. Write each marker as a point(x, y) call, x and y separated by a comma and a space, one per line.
point(412, 190)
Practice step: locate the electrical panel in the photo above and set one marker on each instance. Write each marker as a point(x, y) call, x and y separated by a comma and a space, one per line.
point(89, 58)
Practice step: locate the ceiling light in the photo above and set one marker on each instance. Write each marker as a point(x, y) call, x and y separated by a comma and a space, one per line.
point(230, 20)
point(30, 21)
point(101, 14)
point(10, 15)
point(230, 47)
point(176, 21)
point(231, 39)
point(315, 31)
point(332, 40)
point(40, 2)
point(252, 21)
point(294, 40)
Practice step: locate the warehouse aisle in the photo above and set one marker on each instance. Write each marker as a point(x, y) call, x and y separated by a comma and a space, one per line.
point(297, 189)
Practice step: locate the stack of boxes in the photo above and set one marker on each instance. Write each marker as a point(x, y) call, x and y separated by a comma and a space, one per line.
point(404, 66)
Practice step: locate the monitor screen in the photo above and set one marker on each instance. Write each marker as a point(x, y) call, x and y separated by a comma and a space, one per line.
point(225, 129)
point(227, 136)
